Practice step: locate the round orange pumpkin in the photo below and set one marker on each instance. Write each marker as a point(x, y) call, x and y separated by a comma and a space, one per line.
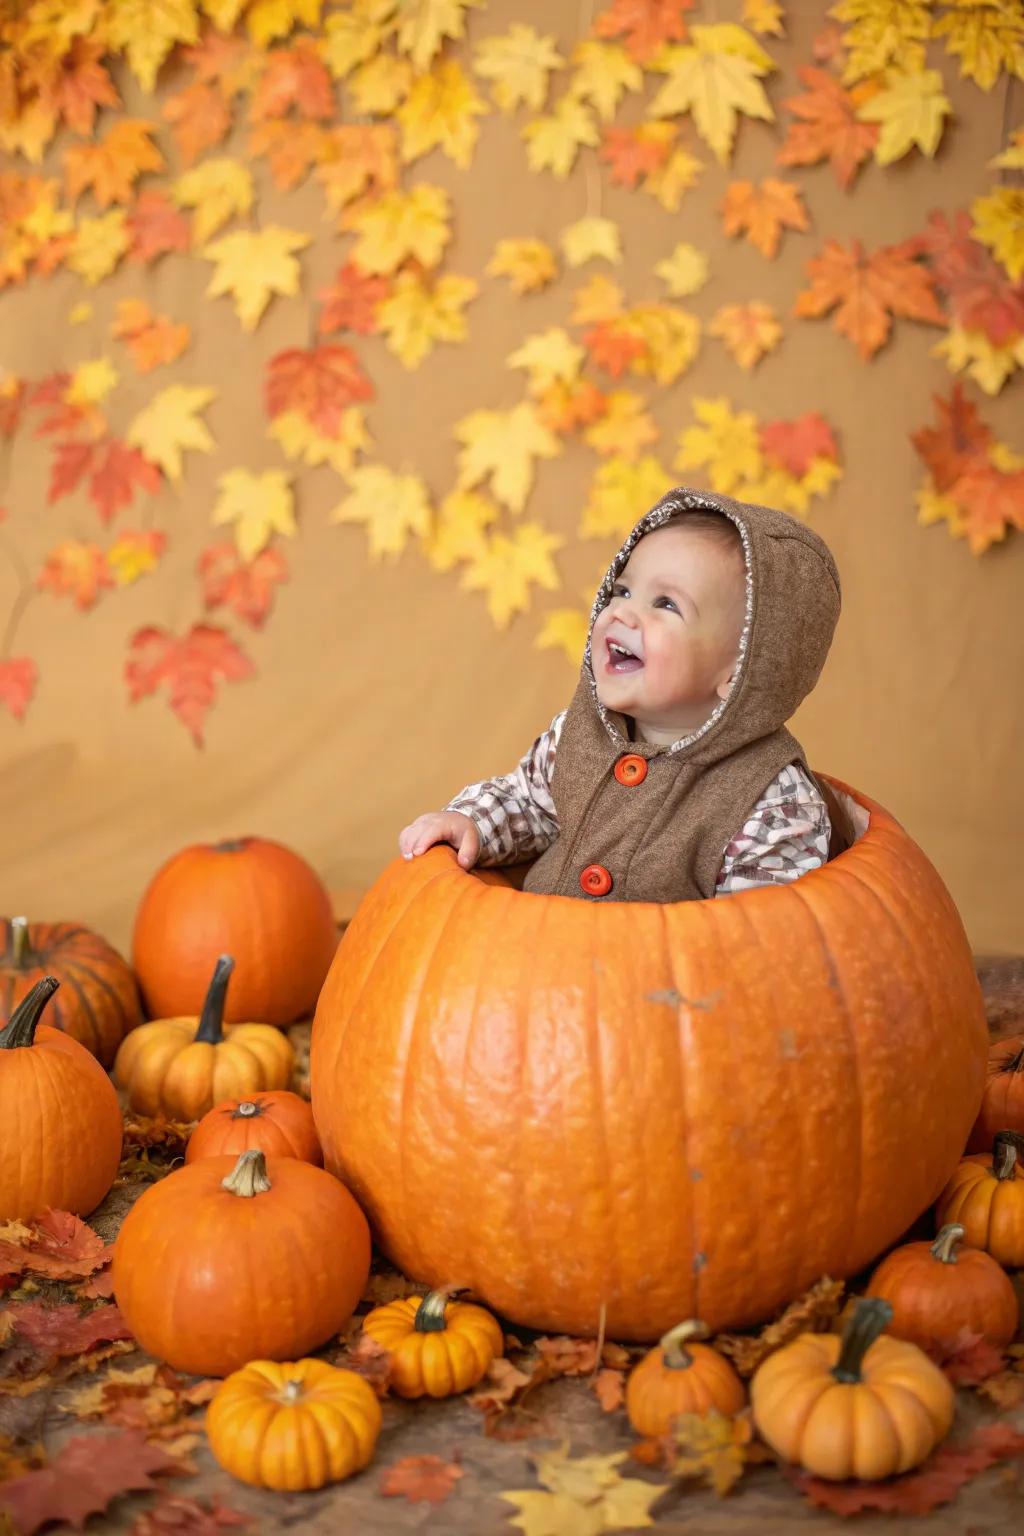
point(986, 1195)
point(1002, 1108)
point(280, 1123)
point(631, 1085)
point(251, 898)
point(936, 1289)
point(438, 1347)
point(60, 1122)
point(681, 1375)
point(98, 1003)
point(226, 1261)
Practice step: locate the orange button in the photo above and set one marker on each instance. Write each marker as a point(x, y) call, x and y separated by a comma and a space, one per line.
point(631, 769)
point(596, 880)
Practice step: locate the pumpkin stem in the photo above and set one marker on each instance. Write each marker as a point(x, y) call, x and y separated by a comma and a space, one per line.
point(211, 1020)
point(247, 1110)
point(291, 1392)
point(21, 1027)
point(945, 1245)
point(231, 845)
point(869, 1317)
point(430, 1312)
point(674, 1355)
point(249, 1175)
point(1014, 1063)
point(21, 951)
point(1004, 1155)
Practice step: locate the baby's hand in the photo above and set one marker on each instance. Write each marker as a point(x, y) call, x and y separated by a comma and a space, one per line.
point(441, 827)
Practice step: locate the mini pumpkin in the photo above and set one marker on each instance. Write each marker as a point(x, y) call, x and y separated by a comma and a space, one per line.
point(936, 1289)
point(986, 1196)
point(438, 1347)
point(1003, 1104)
point(280, 1123)
point(226, 1261)
point(183, 1067)
point(681, 1375)
point(60, 1141)
point(293, 1426)
point(99, 1001)
point(865, 1406)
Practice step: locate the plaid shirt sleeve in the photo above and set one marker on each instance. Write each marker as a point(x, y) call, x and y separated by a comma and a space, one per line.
point(785, 836)
point(515, 814)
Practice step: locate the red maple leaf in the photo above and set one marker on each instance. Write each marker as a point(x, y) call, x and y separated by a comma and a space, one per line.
point(319, 383)
point(420, 1479)
point(18, 678)
point(830, 129)
point(611, 348)
point(156, 226)
point(294, 77)
point(959, 439)
point(76, 569)
point(246, 587)
point(59, 1245)
point(119, 472)
point(189, 666)
point(199, 118)
point(63, 1329)
point(631, 155)
point(644, 24)
point(86, 1475)
point(350, 303)
point(793, 445)
point(979, 293)
point(71, 462)
point(968, 1359)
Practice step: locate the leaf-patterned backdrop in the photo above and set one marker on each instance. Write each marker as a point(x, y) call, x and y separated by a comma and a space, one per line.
point(341, 343)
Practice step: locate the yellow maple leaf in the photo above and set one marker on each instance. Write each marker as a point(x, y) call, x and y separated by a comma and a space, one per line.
point(252, 265)
point(668, 182)
point(223, 13)
point(47, 221)
point(398, 225)
point(419, 313)
point(599, 299)
point(1011, 158)
point(300, 439)
point(715, 77)
point(553, 142)
point(878, 34)
point(587, 1496)
point(711, 1446)
point(424, 25)
point(547, 357)
point(380, 84)
point(518, 62)
point(169, 424)
point(439, 112)
point(672, 337)
point(999, 224)
point(989, 38)
point(391, 506)
point(750, 331)
point(507, 565)
point(911, 109)
point(684, 271)
point(458, 533)
point(258, 505)
point(589, 238)
point(971, 352)
point(91, 382)
point(602, 73)
point(566, 628)
point(625, 428)
point(502, 446)
point(933, 507)
point(98, 246)
point(764, 16)
point(145, 31)
point(529, 264)
point(267, 20)
point(349, 40)
point(620, 490)
point(218, 190)
point(726, 443)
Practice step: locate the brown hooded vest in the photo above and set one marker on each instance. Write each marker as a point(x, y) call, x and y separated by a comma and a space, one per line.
point(663, 839)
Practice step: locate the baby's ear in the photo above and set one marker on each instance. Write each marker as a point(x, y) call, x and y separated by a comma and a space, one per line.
point(725, 687)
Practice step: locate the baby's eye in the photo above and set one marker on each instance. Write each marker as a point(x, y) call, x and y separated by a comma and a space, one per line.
point(619, 588)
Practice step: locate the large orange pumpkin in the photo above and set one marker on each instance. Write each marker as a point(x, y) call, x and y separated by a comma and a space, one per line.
point(1002, 1108)
point(98, 1002)
point(247, 897)
point(630, 1086)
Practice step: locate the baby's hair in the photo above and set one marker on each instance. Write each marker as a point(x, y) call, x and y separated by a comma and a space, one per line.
point(717, 524)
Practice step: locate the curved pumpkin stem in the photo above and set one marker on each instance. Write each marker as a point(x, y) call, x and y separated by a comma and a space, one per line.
point(248, 1110)
point(21, 949)
point(231, 845)
point(870, 1316)
point(674, 1355)
point(1004, 1155)
point(249, 1175)
point(21, 1027)
point(211, 1020)
point(431, 1310)
point(945, 1245)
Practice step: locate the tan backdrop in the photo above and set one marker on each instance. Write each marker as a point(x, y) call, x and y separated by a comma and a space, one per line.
point(382, 688)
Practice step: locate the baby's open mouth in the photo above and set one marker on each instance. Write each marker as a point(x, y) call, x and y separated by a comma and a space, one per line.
point(621, 658)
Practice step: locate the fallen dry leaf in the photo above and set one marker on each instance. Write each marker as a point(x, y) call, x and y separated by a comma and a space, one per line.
point(969, 1359)
point(371, 1361)
point(420, 1479)
point(585, 1496)
point(501, 1399)
point(87, 1474)
point(57, 1245)
point(610, 1387)
point(813, 1312)
point(176, 1516)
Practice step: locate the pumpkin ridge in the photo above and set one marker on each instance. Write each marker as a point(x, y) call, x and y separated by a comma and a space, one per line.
point(95, 1034)
point(115, 1001)
point(685, 1121)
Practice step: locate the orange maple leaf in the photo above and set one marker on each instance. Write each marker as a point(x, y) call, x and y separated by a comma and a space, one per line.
point(420, 1479)
point(761, 213)
point(190, 667)
point(116, 474)
point(830, 129)
point(350, 302)
point(78, 86)
point(294, 77)
point(291, 148)
point(224, 59)
point(570, 403)
point(610, 1387)
point(319, 383)
point(794, 445)
point(199, 118)
point(152, 339)
point(869, 290)
point(956, 443)
point(631, 153)
point(18, 678)
point(156, 226)
point(644, 25)
point(357, 159)
point(612, 347)
point(76, 570)
point(244, 586)
point(989, 501)
point(112, 167)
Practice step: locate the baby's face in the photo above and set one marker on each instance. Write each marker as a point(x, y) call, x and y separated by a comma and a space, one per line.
point(678, 604)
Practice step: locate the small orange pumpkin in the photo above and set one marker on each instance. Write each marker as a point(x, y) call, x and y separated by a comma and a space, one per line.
point(680, 1375)
point(936, 1289)
point(99, 1001)
point(438, 1347)
point(865, 1406)
point(1003, 1104)
point(227, 1261)
point(60, 1122)
point(986, 1196)
point(183, 1067)
point(293, 1426)
point(280, 1123)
